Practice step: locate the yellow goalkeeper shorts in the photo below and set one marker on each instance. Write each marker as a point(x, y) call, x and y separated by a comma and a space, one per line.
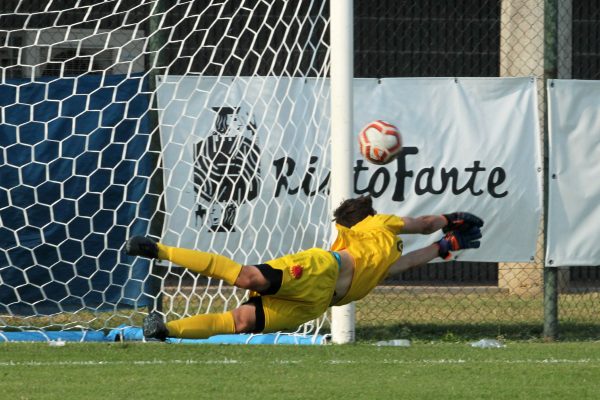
point(307, 287)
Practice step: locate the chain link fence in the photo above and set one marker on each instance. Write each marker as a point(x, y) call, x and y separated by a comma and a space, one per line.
point(489, 38)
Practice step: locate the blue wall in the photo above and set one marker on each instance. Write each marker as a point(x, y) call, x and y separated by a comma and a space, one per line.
point(74, 180)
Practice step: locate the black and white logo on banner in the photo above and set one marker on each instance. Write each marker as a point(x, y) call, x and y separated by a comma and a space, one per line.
point(226, 168)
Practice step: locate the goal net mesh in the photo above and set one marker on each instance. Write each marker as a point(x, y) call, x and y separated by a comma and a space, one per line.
point(202, 124)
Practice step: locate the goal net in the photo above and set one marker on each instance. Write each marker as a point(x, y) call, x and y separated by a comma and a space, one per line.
point(203, 124)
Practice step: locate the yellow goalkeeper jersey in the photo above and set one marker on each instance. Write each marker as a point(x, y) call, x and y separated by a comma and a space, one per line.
point(375, 246)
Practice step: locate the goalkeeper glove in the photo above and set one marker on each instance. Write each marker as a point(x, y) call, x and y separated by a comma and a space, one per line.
point(461, 221)
point(453, 241)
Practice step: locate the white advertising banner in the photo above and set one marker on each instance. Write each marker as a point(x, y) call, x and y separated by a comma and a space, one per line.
point(574, 173)
point(246, 164)
point(470, 144)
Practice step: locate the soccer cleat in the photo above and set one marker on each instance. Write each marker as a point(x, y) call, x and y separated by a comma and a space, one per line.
point(154, 327)
point(141, 246)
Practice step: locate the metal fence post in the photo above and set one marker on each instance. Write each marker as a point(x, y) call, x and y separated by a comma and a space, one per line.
point(550, 71)
point(154, 63)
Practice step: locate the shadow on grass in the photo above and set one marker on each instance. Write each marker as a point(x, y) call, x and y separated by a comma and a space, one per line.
point(457, 332)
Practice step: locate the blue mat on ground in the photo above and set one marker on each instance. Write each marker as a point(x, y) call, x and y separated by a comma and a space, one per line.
point(132, 333)
point(49, 336)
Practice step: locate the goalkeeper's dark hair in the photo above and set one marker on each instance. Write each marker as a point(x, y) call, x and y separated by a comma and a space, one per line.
point(352, 211)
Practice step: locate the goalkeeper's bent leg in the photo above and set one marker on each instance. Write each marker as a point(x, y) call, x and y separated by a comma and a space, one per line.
point(209, 264)
point(202, 326)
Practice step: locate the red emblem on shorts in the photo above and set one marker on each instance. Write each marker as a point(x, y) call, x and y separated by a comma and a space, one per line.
point(296, 271)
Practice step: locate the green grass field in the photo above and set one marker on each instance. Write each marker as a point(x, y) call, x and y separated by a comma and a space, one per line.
point(439, 365)
point(426, 370)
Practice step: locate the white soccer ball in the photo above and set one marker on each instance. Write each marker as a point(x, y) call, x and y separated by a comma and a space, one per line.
point(380, 142)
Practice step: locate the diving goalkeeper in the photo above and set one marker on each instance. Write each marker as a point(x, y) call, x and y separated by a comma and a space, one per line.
point(296, 288)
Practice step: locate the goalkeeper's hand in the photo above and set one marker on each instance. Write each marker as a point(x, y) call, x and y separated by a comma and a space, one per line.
point(453, 241)
point(461, 222)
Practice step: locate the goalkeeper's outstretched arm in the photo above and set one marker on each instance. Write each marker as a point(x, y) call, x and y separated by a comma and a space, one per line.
point(456, 221)
point(425, 224)
point(414, 258)
point(452, 241)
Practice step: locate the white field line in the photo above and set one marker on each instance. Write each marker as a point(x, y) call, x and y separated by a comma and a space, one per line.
point(95, 363)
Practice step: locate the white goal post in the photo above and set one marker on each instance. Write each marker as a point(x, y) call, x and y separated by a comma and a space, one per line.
point(342, 74)
point(205, 124)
